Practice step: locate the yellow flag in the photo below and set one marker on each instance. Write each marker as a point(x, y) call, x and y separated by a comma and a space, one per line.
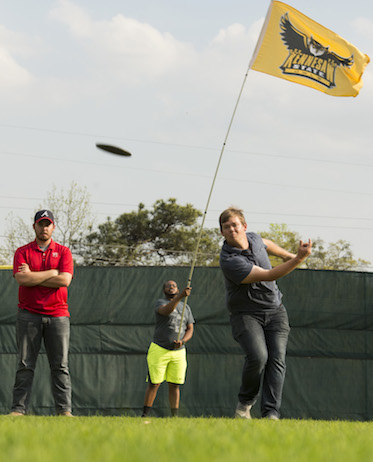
point(296, 48)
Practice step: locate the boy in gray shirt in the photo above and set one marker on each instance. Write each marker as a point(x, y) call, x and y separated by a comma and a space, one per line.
point(166, 356)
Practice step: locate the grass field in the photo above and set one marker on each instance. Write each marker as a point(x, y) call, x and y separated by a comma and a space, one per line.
point(101, 439)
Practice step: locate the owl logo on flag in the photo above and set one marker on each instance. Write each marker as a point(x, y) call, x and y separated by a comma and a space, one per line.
point(308, 58)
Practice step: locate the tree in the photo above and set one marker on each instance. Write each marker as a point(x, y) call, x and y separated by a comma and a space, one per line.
point(72, 213)
point(337, 256)
point(17, 233)
point(164, 234)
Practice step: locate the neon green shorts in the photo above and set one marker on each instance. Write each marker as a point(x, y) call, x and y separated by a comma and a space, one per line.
point(169, 365)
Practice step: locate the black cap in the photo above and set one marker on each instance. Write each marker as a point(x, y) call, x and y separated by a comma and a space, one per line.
point(44, 215)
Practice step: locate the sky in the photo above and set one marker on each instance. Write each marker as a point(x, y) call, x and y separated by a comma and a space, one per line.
point(161, 80)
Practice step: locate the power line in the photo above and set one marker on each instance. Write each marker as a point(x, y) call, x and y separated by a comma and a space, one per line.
point(247, 213)
point(235, 179)
point(190, 146)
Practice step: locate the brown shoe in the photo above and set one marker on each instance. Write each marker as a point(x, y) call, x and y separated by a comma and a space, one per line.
point(65, 414)
point(16, 414)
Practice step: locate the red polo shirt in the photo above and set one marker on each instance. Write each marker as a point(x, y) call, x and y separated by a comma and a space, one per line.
point(38, 299)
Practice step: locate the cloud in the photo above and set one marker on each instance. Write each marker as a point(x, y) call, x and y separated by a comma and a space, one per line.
point(19, 44)
point(237, 34)
point(136, 51)
point(13, 47)
point(74, 17)
point(131, 64)
point(364, 27)
point(11, 74)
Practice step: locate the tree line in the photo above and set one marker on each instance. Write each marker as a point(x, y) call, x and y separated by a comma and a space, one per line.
point(164, 234)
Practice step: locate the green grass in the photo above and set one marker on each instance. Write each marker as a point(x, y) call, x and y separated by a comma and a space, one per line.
point(105, 439)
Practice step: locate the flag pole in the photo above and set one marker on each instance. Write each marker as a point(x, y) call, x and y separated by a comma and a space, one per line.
point(365, 60)
point(209, 198)
point(220, 159)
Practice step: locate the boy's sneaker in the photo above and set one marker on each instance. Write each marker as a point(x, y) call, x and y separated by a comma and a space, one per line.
point(243, 411)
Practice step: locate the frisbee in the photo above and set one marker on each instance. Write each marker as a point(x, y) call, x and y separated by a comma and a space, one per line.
point(113, 150)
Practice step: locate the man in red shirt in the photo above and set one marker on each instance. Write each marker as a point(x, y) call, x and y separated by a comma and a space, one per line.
point(43, 270)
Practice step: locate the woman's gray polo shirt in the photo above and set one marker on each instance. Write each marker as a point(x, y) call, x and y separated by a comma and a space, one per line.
point(236, 264)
